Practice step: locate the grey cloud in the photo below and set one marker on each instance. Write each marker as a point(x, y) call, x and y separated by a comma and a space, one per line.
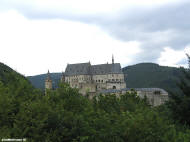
point(155, 28)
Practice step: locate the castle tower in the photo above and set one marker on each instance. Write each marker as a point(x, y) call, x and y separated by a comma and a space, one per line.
point(48, 82)
point(112, 59)
point(63, 77)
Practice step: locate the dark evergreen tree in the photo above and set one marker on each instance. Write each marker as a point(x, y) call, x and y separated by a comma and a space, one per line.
point(180, 102)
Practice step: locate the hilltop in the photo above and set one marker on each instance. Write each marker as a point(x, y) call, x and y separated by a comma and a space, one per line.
point(11, 78)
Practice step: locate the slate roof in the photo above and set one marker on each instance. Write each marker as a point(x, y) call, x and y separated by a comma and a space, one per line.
point(88, 69)
point(136, 89)
point(78, 69)
point(106, 69)
point(148, 89)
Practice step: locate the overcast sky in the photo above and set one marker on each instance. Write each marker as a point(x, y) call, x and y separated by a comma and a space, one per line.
point(37, 35)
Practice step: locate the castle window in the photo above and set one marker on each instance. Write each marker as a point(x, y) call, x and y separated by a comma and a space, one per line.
point(157, 92)
point(98, 80)
point(102, 80)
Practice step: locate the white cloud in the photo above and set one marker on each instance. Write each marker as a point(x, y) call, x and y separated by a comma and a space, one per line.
point(34, 46)
point(171, 57)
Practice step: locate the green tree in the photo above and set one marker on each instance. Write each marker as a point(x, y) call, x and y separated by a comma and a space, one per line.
point(180, 103)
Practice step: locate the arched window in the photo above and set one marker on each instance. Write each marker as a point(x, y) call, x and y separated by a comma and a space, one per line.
point(114, 87)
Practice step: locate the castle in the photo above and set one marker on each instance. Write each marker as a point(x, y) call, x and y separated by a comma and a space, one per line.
point(103, 79)
point(48, 82)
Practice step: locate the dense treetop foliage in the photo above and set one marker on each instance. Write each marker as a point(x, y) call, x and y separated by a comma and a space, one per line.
point(65, 115)
point(179, 103)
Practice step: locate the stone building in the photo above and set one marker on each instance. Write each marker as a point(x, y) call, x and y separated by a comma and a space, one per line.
point(155, 96)
point(48, 82)
point(104, 79)
point(93, 78)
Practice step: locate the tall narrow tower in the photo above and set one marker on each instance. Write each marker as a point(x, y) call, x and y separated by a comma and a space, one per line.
point(48, 82)
point(63, 77)
point(112, 59)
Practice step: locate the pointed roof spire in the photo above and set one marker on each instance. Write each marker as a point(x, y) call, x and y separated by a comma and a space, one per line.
point(112, 59)
point(63, 74)
point(48, 76)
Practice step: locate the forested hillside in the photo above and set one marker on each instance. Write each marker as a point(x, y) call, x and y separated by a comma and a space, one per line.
point(142, 75)
point(11, 78)
point(38, 80)
point(147, 75)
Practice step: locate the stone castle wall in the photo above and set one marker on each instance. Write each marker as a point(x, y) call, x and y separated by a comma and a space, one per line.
point(96, 82)
point(48, 84)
